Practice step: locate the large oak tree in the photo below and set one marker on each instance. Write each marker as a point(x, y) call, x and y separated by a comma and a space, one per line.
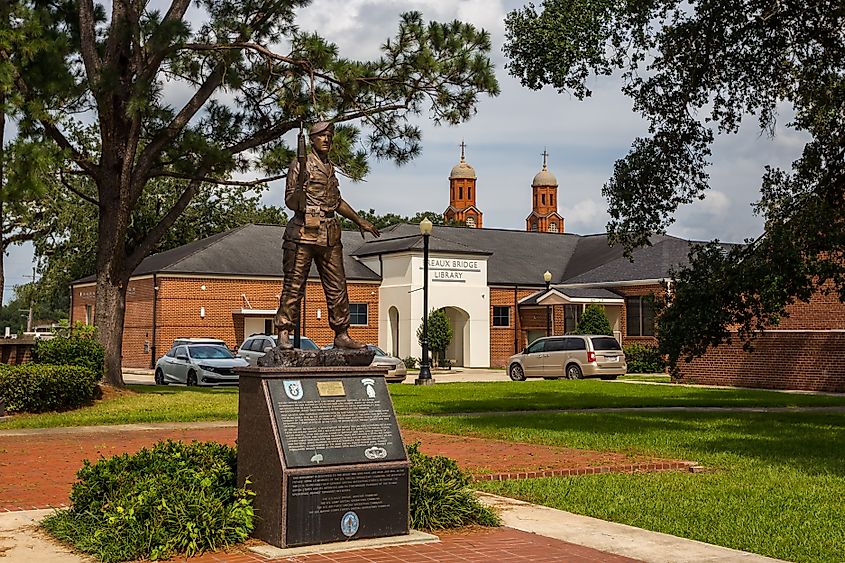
point(694, 69)
point(88, 75)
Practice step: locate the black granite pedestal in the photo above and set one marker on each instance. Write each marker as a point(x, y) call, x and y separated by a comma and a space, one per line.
point(321, 448)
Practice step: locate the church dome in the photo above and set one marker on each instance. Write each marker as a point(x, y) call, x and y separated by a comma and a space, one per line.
point(462, 170)
point(544, 178)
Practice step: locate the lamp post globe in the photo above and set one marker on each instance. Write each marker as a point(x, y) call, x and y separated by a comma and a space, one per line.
point(547, 277)
point(425, 369)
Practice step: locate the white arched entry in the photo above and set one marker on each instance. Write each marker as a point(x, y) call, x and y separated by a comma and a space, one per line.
point(393, 328)
point(458, 349)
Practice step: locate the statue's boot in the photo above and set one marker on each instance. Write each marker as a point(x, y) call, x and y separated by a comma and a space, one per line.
point(284, 340)
point(343, 340)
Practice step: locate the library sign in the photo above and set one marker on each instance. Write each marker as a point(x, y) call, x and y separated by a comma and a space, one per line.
point(455, 270)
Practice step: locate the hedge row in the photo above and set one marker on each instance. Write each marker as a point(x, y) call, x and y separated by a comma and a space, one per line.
point(79, 348)
point(643, 359)
point(39, 388)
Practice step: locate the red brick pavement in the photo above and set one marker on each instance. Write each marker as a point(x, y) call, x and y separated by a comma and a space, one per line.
point(500, 545)
point(38, 469)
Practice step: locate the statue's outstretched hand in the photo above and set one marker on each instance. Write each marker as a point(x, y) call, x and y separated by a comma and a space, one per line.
point(366, 227)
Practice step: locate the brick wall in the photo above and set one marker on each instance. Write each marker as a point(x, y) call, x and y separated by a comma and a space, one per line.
point(178, 312)
point(502, 338)
point(137, 325)
point(811, 361)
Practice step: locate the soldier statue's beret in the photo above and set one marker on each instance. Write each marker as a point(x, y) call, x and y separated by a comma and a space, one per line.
point(321, 126)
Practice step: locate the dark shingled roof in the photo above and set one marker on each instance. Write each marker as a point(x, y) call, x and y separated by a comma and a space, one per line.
point(249, 250)
point(515, 257)
point(390, 245)
point(649, 263)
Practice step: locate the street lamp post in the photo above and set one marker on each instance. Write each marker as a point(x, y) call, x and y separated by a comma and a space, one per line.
point(547, 277)
point(425, 369)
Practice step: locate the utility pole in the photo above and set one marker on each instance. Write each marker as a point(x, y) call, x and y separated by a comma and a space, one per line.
point(31, 297)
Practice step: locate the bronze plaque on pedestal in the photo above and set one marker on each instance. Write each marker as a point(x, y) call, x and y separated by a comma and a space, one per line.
point(322, 450)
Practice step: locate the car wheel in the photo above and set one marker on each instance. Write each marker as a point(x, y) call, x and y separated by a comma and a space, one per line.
point(192, 378)
point(516, 372)
point(573, 372)
point(159, 377)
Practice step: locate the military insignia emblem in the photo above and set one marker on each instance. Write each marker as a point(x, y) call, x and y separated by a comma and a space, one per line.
point(375, 453)
point(349, 524)
point(293, 389)
point(368, 383)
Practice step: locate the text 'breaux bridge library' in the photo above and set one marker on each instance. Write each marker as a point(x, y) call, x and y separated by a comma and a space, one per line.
point(489, 282)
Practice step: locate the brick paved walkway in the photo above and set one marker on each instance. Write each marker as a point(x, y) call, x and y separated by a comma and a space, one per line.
point(501, 545)
point(37, 469)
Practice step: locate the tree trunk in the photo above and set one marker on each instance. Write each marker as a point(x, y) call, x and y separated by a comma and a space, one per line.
point(109, 314)
point(113, 274)
point(2, 189)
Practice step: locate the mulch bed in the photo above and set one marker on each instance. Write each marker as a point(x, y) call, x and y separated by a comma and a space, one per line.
point(38, 469)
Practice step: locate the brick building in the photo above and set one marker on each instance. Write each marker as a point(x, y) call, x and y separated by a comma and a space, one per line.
point(489, 281)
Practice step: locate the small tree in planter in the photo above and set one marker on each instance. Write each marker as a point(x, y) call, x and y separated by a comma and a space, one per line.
point(594, 321)
point(439, 334)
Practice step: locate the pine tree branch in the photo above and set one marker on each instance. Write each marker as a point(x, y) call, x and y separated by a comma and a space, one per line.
point(211, 180)
point(67, 185)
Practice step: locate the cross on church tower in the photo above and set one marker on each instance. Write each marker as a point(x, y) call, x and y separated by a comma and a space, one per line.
point(545, 154)
point(463, 146)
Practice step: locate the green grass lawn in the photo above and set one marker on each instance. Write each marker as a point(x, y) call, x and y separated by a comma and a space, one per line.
point(182, 404)
point(478, 397)
point(777, 488)
point(150, 404)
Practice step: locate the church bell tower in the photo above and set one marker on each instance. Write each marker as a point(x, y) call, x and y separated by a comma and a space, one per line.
point(544, 217)
point(462, 194)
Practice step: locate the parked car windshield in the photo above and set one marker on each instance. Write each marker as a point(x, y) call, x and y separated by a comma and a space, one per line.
point(378, 351)
point(210, 353)
point(606, 343)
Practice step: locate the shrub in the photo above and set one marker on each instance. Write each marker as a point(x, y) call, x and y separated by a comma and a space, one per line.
point(440, 495)
point(410, 362)
point(439, 333)
point(79, 347)
point(175, 498)
point(594, 321)
point(39, 388)
point(643, 359)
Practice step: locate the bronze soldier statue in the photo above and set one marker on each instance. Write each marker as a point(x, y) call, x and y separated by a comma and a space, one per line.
point(314, 234)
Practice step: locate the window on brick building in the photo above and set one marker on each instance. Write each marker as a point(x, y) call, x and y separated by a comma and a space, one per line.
point(639, 316)
point(533, 225)
point(469, 193)
point(571, 316)
point(470, 221)
point(552, 227)
point(501, 316)
point(89, 314)
point(460, 192)
point(358, 314)
point(543, 199)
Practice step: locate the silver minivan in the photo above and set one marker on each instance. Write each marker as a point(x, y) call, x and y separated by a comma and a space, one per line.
point(572, 357)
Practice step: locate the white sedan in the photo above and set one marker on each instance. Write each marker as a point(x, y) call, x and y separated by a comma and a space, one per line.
point(198, 364)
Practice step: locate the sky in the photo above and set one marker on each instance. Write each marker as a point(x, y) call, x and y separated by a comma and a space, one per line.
point(506, 138)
